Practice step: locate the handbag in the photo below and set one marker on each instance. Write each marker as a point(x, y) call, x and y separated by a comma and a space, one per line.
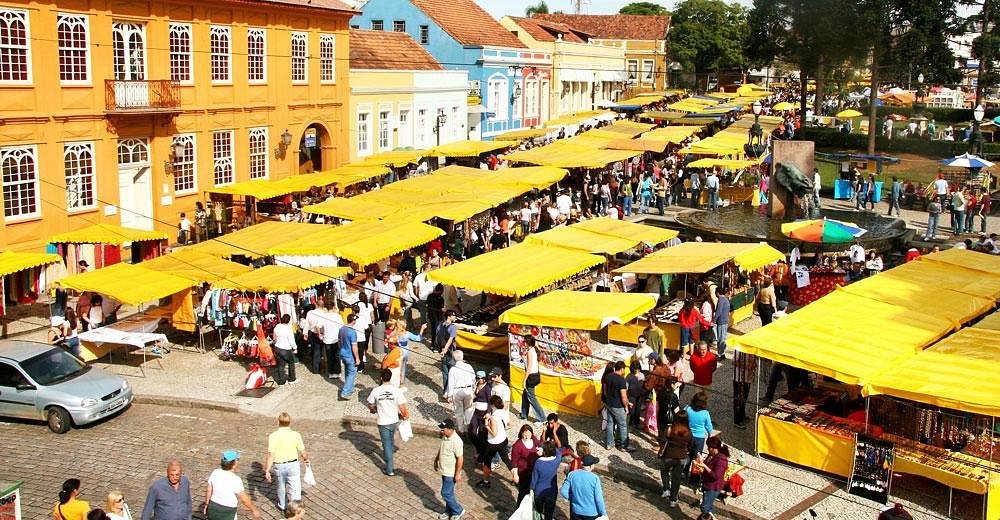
point(405, 430)
point(534, 379)
point(309, 478)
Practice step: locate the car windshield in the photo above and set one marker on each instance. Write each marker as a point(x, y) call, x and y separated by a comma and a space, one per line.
point(53, 366)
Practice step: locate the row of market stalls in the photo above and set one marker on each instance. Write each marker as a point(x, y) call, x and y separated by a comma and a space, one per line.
point(908, 361)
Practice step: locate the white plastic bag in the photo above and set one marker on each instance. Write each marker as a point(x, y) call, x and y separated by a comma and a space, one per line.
point(526, 510)
point(309, 478)
point(405, 430)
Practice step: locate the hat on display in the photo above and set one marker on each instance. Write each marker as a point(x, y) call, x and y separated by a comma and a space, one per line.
point(447, 424)
point(230, 455)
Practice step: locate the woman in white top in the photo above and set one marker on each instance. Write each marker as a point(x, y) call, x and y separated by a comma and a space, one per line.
point(496, 421)
point(116, 508)
point(532, 378)
point(366, 316)
point(95, 316)
point(225, 490)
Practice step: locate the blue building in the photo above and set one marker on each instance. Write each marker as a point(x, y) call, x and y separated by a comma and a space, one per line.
point(462, 36)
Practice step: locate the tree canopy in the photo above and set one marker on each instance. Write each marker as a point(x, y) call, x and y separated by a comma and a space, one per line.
point(540, 8)
point(644, 8)
point(708, 35)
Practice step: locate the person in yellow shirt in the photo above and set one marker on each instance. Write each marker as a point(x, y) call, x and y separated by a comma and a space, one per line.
point(70, 507)
point(284, 449)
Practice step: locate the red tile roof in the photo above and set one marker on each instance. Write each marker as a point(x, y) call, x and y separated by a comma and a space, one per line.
point(389, 51)
point(468, 23)
point(545, 31)
point(333, 5)
point(614, 26)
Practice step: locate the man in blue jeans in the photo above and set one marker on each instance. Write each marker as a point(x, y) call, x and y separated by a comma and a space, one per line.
point(445, 337)
point(389, 405)
point(617, 404)
point(721, 319)
point(449, 463)
point(348, 339)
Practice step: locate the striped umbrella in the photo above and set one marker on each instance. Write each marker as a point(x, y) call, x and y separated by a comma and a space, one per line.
point(823, 231)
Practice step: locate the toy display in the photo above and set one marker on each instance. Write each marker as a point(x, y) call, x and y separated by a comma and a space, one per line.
point(565, 352)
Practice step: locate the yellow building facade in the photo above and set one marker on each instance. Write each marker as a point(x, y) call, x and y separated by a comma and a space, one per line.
point(126, 112)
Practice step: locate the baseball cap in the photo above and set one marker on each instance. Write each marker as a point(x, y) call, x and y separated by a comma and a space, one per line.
point(653, 356)
point(448, 424)
point(589, 460)
point(481, 373)
point(496, 371)
point(230, 455)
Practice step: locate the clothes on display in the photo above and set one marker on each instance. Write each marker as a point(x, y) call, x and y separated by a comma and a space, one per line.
point(23, 287)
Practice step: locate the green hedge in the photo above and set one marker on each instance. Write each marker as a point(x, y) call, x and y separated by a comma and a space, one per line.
point(834, 138)
point(940, 115)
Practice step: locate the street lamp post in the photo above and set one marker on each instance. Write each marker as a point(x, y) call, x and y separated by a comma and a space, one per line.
point(918, 101)
point(976, 141)
point(438, 123)
point(755, 146)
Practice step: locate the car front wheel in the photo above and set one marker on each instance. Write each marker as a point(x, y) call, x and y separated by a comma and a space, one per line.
point(59, 420)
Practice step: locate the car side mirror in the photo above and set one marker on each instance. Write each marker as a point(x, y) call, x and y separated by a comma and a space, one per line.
point(25, 386)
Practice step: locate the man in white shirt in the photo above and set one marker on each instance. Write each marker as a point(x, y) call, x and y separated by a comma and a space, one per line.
point(941, 190)
point(564, 203)
point(424, 287)
point(329, 324)
point(712, 185)
point(284, 350)
point(857, 253)
point(310, 331)
point(388, 403)
point(384, 291)
point(461, 381)
point(817, 182)
point(525, 215)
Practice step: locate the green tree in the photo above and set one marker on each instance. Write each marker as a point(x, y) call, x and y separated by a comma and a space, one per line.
point(540, 8)
point(921, 46)
point(644, 8)
point(707, 36)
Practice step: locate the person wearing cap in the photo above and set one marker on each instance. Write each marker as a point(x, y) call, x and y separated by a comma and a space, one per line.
point(224, 490)
point(388, 402)
point(348, 339)
point(284, 449)
point(448, 462)
point(583, 490)
point(462, 378)
point(481, 393)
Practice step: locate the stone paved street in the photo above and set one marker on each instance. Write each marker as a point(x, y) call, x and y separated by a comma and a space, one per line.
point(131, 450)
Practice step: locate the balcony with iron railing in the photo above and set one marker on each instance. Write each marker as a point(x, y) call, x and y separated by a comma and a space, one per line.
point(142, 96)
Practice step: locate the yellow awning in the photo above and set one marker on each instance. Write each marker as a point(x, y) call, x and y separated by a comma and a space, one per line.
point(579, 310)
point(353, 208)
point(195, 266)
point(959, 372)
point(517, 135)
point(946, 303)
point(642, 100)
point(640, 144)
point(469, 148)
point(991, 322)
point(262, 189)
point(673, 133)
point(107, 234)
point(663, 115)
point(967, 259)
point(373, 248)
point(702, 257)
point(572, 237)
point(131, 284)
point(634, 125)
point(282, 279)
point(256, 240)
point(11, 262)
point(259, 189)
point(517, 270)
point(624, 229)
point(395, 158)
point(576, 157)
point(577, 118)
point(724, 163)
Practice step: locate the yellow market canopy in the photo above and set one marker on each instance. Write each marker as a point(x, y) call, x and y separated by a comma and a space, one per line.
point(195, 266)
point(11, 262)
point(673, 133)
point(353, 208)
point(131, 284)
point(517, 270)
point(724, 163)
point(642, 99)
point(394, 158)
point(107, 234)
point(282, 279)
point(624, 229)
point(262, 189)
point(662, 115)
point(702, 257)
point(363, 242)
point(256, 240)
point(572, 237)
point(579, 310)
point(641, 144)
point(469, 148)
point(572, 156)
point(517, 135)
point(577, 118)
point(958, 372)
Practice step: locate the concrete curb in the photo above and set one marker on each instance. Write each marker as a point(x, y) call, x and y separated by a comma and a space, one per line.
point(629, 477)
point(186, 403)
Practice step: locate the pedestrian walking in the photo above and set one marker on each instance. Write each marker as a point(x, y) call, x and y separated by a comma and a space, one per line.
point(532, 378)
point(675, 444)
point(70, 507)
point(583, 490)
point(388, 403)
point(617, 404)
point(744, 374)
point(495, 423)
point(445, 336)
point(703, 364)
point(310, 330)
point(713, 476)
point(933, 218)
point(169, 498)
point(461, 381)
point(284, 350)
point(544, 475)
point(957, 212)
point(723, 307)
point(523, 454)
point(116, 508)
point(435, 313)
point(284, 450)
point(348, 340)
point(225, 492)
point(448, 462)
point(700, 423)
point(895, 196)
point(329, 324)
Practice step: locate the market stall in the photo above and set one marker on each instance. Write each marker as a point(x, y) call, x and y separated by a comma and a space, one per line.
point(101, 245)
point(254, 242)
point(933, 400)
point(362, 243)
point(24, 278)
point(134, 285)
point(682, 271)
point(566, 325)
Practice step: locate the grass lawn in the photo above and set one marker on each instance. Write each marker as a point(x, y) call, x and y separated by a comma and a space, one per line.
point(915, 168)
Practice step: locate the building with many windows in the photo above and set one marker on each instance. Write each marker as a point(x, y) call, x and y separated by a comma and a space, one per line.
point(399, 94)
point(585, 76)
point(126, 112)
point(462, 36)
point(642, 37)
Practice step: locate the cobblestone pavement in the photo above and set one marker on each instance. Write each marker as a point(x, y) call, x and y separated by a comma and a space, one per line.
point(130, 451)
